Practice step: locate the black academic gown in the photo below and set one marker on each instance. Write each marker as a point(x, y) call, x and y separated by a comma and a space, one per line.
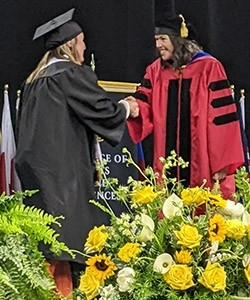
point(61, 113)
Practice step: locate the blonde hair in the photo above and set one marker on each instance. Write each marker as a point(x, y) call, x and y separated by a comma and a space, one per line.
point(61, 52)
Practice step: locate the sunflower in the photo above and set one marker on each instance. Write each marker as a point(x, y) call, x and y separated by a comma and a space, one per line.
point(101, 266)
point(217, 229)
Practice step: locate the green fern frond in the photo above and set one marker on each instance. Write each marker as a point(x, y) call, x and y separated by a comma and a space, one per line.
point(17, 265)
point(31, 213)
point(11, 200)
point(5, 281)
point(23, 273)
point(7, 226)
point(35, 224)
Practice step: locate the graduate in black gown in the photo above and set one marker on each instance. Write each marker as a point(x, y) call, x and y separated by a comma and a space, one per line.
point(62, 111)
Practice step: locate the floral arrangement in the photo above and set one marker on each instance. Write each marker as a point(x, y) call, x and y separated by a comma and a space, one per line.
point(172, 242)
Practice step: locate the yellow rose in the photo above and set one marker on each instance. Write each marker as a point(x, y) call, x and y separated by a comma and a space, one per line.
point(179, 277)
point(129, 251)
point(183, 257)
point(89, 285)
point(213, 277)
point(144, 195)
point(188, 236)
point(96, 239)
point(195, 196)
point(247, 273)
point(235, 229)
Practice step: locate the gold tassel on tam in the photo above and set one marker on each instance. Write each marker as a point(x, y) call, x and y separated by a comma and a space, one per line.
point(184, 29)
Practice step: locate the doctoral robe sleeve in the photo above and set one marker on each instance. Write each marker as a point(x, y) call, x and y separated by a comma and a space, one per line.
point(139, 128)
point(224, 138)
point(92, 105)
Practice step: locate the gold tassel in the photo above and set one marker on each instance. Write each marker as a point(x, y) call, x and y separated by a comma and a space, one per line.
point(98, 173)
point(92, 62)
point(184, 29)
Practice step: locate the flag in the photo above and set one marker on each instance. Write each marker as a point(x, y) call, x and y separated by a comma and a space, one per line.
point(242, 116)
point(9, 180)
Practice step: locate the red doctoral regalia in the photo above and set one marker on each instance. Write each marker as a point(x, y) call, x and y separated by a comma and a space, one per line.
point(191, 111)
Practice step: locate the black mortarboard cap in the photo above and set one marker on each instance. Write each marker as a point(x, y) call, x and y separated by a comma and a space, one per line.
point(167, 21)
point(58, 31)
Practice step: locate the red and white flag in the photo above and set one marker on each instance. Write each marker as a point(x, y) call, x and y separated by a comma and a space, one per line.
point(9, 181)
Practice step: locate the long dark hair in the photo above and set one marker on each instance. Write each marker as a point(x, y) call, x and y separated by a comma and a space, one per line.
point(184, 50)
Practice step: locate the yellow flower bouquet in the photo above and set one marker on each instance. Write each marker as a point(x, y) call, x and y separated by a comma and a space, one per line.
point(160, 247)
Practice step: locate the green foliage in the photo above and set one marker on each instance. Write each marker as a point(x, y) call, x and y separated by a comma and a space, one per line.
point(243, 187)
point(23, 272)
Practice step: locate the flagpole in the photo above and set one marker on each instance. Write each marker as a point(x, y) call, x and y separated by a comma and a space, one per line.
point(18, 93)
point(17, 103)
point(242, 106)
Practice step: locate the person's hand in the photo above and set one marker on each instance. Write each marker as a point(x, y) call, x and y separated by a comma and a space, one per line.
point(220, 175)
point(134, 107)
point(130, 98)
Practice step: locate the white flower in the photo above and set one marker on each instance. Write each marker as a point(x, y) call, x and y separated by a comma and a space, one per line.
point(172, 206)
point(234, 210)
point(125, 279)
point(212, 258)
point(163, 263)
point(217, 257)
point(147, 230)
point(214, 247)
point(246, 260)
point(108, 293)
point(246, 218)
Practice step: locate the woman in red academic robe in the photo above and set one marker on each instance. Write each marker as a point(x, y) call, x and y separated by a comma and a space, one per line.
point(186, 105)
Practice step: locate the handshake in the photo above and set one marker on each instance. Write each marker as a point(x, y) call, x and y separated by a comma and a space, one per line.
point(131, 105)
